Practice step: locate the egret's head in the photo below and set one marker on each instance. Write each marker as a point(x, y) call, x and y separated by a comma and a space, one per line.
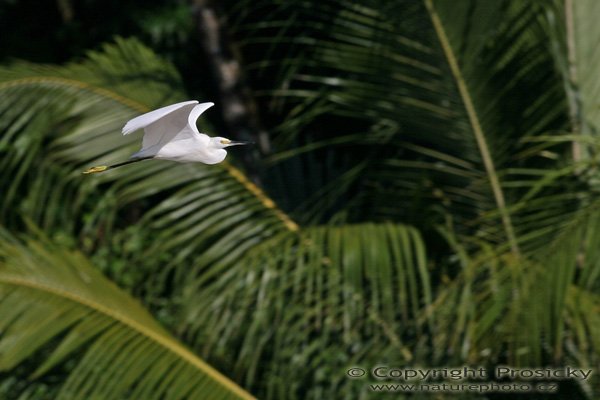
point(221, 142)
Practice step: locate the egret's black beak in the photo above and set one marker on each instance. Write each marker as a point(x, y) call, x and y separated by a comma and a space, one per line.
point(238, 143)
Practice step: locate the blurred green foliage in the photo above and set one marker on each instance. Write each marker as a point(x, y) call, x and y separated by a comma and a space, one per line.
point(427, 197)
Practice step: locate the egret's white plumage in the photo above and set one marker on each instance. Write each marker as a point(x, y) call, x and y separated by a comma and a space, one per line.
point(170, 133)
point(146, 119)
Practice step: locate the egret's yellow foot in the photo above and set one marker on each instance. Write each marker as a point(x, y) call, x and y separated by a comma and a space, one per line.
point(93, 170)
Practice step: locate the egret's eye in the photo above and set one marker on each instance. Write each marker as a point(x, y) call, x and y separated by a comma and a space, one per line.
point(225, 141)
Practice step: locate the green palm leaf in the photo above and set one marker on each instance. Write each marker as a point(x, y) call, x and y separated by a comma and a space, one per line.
point(50, 295)
point(428, 109)
point(56, 121)
point(59, 120)
point(302, 307)
point(532, 305)
point(450, 52)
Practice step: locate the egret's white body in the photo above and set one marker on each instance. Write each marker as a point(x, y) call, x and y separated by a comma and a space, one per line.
point(170, 133)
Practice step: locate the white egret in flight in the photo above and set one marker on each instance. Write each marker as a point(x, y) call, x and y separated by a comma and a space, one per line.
point(170, 133)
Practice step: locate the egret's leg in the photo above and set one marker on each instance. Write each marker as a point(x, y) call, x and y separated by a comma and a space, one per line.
point(102, 168)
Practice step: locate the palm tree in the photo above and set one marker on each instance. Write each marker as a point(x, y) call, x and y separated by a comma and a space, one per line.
point(431, 202)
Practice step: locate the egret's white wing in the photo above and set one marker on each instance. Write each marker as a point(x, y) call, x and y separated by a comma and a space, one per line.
point(178, 125)
point(187, 144)
point(146, 119)
point(172, 123)
point(195, 114)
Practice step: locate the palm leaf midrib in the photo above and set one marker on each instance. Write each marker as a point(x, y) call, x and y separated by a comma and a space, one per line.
point(475, 124)
point(154, 333)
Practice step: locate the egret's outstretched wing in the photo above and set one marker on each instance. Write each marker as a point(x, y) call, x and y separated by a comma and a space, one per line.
point(146, 119)
point(196, 112)
point(168, 125)
point(179, 125)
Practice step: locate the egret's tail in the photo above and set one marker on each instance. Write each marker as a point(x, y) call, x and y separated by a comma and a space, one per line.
point(102, 168)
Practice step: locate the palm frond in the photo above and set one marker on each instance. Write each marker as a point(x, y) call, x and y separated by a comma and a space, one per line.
point(53, 297)
point(450, 52)
point(312, 304)
point(526, 310)
point(56, 121)
point(424, 127)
